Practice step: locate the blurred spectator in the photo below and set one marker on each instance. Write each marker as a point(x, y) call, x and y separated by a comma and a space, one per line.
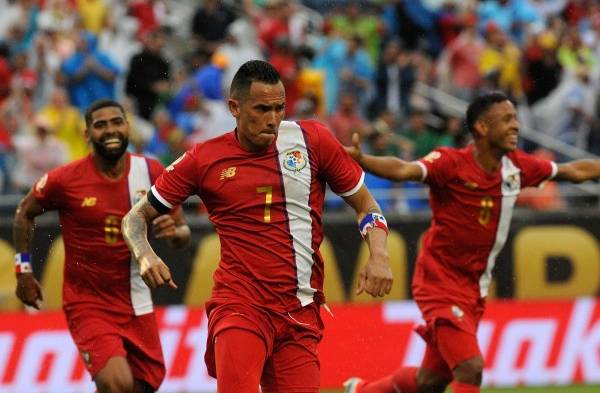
point(541, 69)
point(67, 123)
point(500, 63)
point(240, 46)
point(573, 53)
point(144, 12)
point(89, 74)
point(93, 13)
point(346, 120)
point(166, 138)
point(306, 108)
point(5, 73)
point(210, 23)
point(424, 139)
point(285, 62)
point(329, 58)
point(357, 20)
point(148, 80)
point(356, 72)
point(458, 66)
point(271, 21)
point(37, 153)
point(58, 16)
point(388, 88)
point(512, 16)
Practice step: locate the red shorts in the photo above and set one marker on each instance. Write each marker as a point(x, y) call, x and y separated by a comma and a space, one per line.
point(451, 335)
point(100, 336)
point(289, 362)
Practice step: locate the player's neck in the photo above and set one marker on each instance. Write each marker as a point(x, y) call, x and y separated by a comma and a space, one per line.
point(110, 169)
point(489, 159)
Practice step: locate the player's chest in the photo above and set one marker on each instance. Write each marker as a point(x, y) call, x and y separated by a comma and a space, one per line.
point(475, 189)
point(274, 177)
point(97, 205)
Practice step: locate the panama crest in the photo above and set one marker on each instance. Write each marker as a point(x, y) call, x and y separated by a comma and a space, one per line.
point(294, 160)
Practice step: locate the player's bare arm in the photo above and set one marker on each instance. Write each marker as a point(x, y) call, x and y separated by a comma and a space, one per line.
point(376, 277)
point(173, 228)
point(134, 226)
point(388, 167)
point(579, 170)
point(28, 288)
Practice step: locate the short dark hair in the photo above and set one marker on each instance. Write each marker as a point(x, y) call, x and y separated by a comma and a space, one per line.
point(97, 105)
point(480, 105)
point(252, 71)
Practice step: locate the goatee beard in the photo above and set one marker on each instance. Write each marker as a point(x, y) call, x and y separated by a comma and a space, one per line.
point(111, 156)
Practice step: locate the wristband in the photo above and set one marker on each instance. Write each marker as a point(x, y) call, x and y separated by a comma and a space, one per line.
point(23, 262)
point(370, 221)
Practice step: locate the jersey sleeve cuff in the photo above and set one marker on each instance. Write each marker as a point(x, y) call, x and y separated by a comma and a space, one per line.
point(354, 189)
point(158, 202)
point(423, 169)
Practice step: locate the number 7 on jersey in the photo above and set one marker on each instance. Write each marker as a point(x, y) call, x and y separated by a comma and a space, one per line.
point(268, 191)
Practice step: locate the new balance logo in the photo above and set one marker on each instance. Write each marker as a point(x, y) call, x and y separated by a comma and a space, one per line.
point(227, 173)
point(88, 202)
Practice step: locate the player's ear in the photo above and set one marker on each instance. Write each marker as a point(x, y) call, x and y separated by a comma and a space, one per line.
point(87, 135)
point(480, 128)
point(234, 107)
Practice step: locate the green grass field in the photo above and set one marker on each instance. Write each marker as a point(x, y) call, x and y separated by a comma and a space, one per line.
point(554, 389)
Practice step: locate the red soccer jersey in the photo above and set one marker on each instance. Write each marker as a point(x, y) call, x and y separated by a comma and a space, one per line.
point(472, 210)
point(98, 270)
point(267, 209)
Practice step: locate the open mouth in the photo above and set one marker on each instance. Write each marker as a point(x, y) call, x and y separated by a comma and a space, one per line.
point(112, 142)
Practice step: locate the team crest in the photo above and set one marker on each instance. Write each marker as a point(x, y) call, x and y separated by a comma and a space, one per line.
point(294, 161)
point(512, 182)
point(457, 312)
point(139, 194)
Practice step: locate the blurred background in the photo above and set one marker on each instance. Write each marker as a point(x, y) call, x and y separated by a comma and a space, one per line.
point(398, 72)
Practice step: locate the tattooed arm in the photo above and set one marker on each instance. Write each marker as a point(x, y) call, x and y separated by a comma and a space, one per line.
point(153, 270)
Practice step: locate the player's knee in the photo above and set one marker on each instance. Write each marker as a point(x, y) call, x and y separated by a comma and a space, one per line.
point(431, 383)
point(470, 371)
point(117, 383)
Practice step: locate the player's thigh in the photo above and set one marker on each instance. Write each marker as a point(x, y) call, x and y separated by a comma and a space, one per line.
point(144, 352)
point(434, 374)
point(115, 376)
point(456, 345)
point(97, 340)
point(239, 359)
point(293, 368)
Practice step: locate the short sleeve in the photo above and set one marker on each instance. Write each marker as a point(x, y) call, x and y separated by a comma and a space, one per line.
point(439, 166)
point(534, 170)
point(48, 190)
point(176, 183)
point(342, 173)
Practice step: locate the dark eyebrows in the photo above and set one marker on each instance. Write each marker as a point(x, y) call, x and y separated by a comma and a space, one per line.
point(115, 119)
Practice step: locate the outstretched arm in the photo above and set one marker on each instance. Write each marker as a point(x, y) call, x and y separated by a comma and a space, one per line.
point(28, 288)
point(579, 170)
point(134, 226)
point(376, 277)
point(388, 167)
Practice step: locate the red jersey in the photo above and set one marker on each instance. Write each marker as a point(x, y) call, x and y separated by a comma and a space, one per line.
point(472, 210)
point(267, 209)
point(99, 271)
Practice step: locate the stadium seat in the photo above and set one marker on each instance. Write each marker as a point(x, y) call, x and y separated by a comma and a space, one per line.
point(52, 277)
point(8, 300)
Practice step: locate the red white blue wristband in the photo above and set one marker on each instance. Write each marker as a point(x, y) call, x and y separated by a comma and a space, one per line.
point(23, 262)
point(370, 221)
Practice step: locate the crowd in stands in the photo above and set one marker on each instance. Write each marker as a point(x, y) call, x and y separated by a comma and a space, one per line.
point(355, 65)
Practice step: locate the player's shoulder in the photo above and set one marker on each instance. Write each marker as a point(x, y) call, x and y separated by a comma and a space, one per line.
point(446, 153)
point(311, 125)
point(76, 168)
point(214, 145)
point(519, 157)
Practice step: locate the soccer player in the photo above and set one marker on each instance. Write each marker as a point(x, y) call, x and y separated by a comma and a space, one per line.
point(263, 185)
point(472, 194)
point(108, 307)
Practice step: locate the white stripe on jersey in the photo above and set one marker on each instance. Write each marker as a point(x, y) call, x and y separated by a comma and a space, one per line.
point(139, 181)
point(511, 187)
point(296, 184)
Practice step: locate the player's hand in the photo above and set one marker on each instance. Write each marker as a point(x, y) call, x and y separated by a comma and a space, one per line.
point(376, 277)
point(29, 290)
point(164, 226)
point(155, 272)
point(354, 150)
